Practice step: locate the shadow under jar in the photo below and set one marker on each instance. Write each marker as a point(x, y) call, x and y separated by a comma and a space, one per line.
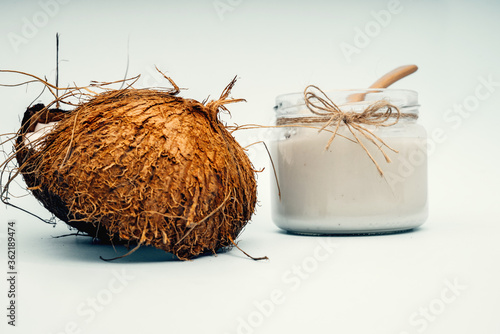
point(339, 190)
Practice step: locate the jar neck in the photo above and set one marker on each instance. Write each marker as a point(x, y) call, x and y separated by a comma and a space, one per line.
point(377, 118)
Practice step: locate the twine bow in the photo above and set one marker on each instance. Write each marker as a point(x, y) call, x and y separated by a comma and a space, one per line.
point(379, 114)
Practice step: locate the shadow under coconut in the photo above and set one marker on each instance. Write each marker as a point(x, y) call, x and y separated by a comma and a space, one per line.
point(83, 248)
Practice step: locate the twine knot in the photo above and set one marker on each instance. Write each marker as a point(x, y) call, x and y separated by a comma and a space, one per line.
point(378, 113)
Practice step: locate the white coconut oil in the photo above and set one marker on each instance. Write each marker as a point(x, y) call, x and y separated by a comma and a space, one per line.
point(339, 189)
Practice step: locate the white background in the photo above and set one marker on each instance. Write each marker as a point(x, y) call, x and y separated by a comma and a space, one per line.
point(441, 278)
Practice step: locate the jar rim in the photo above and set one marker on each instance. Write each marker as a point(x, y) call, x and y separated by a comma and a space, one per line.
point(410, 94)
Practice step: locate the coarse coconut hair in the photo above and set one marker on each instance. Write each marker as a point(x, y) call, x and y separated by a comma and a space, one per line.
point(142, 167)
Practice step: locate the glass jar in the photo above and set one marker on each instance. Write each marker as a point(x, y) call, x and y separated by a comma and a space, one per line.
point(338, 189)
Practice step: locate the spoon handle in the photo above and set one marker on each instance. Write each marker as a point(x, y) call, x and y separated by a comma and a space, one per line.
point(386, 80)
point(396, 74)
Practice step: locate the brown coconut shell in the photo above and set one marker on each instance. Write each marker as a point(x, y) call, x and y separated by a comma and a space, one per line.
point(144, 167)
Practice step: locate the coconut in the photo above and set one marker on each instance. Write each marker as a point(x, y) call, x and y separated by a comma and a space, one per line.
point(144, 167)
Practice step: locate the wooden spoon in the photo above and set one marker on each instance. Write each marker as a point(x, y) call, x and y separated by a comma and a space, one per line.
point(386, 80)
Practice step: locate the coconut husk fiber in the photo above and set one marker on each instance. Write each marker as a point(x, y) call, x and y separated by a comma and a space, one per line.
point(142, 166)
